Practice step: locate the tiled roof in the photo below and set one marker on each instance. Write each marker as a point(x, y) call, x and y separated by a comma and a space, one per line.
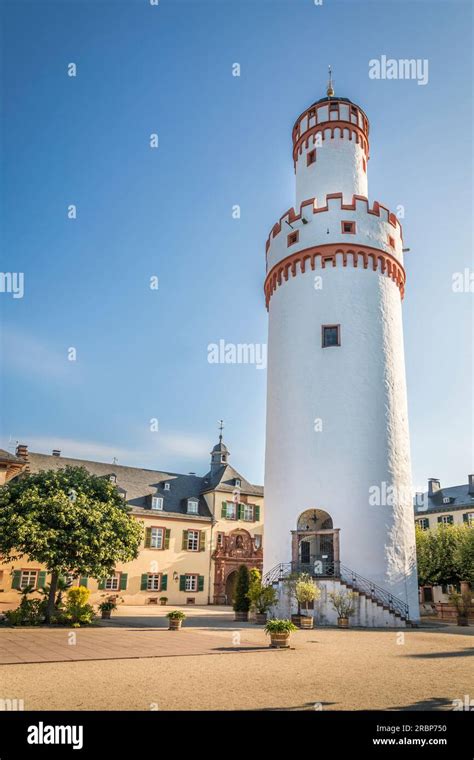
point(6, 456)
point(139, 484)
point(459, 498)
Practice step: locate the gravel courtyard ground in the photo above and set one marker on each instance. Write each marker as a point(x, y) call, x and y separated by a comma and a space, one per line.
point(134, 663)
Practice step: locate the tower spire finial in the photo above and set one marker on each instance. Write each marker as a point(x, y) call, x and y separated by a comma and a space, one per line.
point(330, 88)
point(221, 427)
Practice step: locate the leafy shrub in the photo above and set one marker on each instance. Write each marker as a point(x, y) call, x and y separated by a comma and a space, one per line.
point(306, 590)
point(241, 600)
point(76, 609)
point(176, 615)
point(279, 626)
point(343, 603)
point(261, 597)
point(30, 612)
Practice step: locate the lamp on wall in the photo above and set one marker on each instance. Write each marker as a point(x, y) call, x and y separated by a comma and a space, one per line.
point(175, 576)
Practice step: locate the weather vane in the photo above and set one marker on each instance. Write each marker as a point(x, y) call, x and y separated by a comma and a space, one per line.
point(221, 427)
point(330, 89)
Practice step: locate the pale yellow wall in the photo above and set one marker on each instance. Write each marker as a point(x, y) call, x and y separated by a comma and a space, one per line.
point(433, 517)
point(166, 561)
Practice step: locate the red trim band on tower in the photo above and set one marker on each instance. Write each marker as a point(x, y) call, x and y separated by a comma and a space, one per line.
point(322, 255)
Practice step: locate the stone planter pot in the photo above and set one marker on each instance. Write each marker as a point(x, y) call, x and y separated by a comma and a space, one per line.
point(175, 625)
point(261, 618)
point(462, 620)
point(306, 621)
point(280, 640)
point(241, 617)
point(343, 622)
point(163, 604)
point(106, 614)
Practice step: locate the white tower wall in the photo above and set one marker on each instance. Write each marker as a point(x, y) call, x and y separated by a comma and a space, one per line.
point(356, 389)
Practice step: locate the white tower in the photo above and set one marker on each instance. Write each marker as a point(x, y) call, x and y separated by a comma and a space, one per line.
point(337, 471)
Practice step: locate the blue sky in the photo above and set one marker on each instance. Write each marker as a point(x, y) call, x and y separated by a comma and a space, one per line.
point(223, 140)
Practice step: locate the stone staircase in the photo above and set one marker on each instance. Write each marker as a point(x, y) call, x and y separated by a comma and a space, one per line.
point(375, 606)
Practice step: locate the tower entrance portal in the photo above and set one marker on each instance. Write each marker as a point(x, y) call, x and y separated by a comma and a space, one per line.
point(315, 544)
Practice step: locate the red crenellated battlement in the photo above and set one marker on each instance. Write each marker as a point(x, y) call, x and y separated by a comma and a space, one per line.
point(311, 204)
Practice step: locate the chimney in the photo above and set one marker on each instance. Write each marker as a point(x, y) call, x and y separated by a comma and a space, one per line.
point(22, 450)
point(433, 486)
point(56, 453)
point(471, 485)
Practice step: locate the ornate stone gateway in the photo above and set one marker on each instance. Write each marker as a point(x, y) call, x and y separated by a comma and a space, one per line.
point(315, 544)
point(237, 548)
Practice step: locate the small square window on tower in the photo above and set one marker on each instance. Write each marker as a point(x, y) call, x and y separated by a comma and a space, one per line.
point(311, 157)
point(293, 237)
point(391, 241)
point(364, 165)
point(333, 107)
point(348, 228)
point(331, 335)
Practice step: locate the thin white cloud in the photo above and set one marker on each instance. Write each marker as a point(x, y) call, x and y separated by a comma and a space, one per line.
point(155, 452)
point(25, 354)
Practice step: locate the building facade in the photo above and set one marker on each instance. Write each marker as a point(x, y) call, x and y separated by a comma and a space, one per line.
point(197, 532)
point(337, 420)
point(437, 506)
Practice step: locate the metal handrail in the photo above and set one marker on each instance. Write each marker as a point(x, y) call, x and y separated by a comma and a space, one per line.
point(346, 575)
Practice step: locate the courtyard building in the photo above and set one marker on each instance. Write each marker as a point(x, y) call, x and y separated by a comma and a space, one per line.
point(197, 532)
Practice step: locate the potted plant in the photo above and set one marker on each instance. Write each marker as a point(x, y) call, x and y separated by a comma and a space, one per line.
point(306, 591)
point(462, 604)
point(279, 631)
point(163, 601)
point(241, 601)
point(343, 603)
point(175, 618)
point(290, 584)
point(261, 597)
point(106, 608)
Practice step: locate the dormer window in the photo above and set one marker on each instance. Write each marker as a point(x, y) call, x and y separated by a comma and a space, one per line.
point(166, 486)
point(446, 500)
point(113, 477)
point(192, 506)
point(157, 502)
point(237, 482)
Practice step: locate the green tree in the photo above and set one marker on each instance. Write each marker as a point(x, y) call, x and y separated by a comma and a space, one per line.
point(445, 555)
point(241, 600)
point(68, 520)
point(261, 597)
point(465, 555)
point(306, 590)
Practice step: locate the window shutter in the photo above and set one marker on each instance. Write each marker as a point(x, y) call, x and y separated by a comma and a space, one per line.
point(465, 517)
point(144, 582)
point(147, 538)
point(101, 585)
point(224, 510)
point(200, 583)
point(123, 581)
point(202, 541)
point(184, 544)
point(41, 579)
point(83, 581)
point(16, 579)
point(164, 582)
point(167, 538)
point(182, 583)
point(256, 513)
point(240, 513)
